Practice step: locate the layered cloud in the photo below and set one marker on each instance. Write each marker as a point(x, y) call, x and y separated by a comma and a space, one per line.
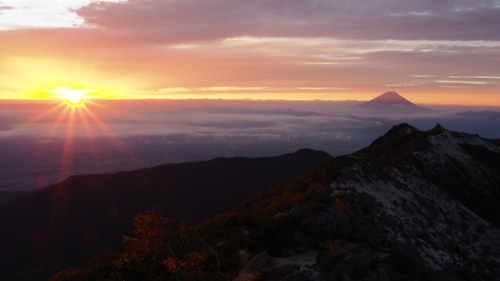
point(193, 21)
point(2, 7)
point(273, 49)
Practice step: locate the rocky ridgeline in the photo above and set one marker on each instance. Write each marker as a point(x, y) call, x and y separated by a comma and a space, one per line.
point(409, 207)
point(413, 205)
point(329, 244)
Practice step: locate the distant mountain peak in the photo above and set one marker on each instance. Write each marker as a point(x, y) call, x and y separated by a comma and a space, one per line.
point(390, 98)
point(392, 102)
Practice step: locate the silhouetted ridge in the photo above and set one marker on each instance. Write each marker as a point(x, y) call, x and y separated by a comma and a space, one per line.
point(438, 129)
point(398, 143)
point(409, 195)
point(410, 206)
point(87, 213)
point(414, 205)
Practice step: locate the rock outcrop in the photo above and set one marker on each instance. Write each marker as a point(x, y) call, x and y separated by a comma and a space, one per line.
point(414, 205)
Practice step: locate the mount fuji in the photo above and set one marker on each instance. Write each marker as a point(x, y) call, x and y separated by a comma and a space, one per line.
point(392, 102)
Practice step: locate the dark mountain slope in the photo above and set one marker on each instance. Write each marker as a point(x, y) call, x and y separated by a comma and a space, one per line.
point(7, 196)
point(420, 206)
point(385, 213)
point(68, 222)
point(465, 165)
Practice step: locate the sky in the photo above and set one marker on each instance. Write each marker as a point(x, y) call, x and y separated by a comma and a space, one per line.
point(432, 52)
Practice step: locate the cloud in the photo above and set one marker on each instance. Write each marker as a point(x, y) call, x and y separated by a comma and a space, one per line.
point(245, 67)
point(274, 49)
point(3, 8)
point(461, 82)
point(182, 21)
point(248, 111)
point(234, 124)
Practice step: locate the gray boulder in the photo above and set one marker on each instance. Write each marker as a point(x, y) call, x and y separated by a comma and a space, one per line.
point(358, 265)
point(405, 257)
point(326, 224)
point(249, 272)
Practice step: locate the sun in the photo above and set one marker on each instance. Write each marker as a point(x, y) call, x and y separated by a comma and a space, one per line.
point(72, 96)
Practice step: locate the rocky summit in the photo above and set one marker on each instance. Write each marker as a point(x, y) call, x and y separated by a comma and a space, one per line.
point(437, 191)
point(414, 205)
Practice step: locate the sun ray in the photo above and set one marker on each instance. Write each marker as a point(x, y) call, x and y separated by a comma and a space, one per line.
point(109, 133)
point(89, 131)
point(36, 118)
point(66, 158)
point(58, 122)
point(61, 193)
point(75, 117)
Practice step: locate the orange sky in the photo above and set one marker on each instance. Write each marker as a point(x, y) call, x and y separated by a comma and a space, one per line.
point(256, 50)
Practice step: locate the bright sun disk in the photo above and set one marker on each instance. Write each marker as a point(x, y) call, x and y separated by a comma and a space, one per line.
point(71, 95)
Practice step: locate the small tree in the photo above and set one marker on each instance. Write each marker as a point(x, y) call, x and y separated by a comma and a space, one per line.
point(153, 254)
point(145, 251)
point(341, 206)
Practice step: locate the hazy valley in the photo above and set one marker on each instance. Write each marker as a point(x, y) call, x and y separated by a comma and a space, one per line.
point(130, 135)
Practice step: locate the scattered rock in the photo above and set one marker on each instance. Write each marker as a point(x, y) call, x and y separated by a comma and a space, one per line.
point(277, 272)
point(367, 236)
point(298, 242)
point(366, 203)
point(328, 224)
point(285, 269)
point(405, 257)
point(381, 275)
point(343, 277)
point(306, 274)
point(446, 275)
point(315, 197)
point(358, 265)
point(323, 262)
point(371, 276)
point(249, 272)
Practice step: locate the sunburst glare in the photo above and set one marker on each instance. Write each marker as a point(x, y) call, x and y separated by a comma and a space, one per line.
point(73, 96)
point(75, 118)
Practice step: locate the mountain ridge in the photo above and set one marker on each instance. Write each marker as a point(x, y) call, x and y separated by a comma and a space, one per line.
point(86, 213)
point(413, 205)
point(408, 223)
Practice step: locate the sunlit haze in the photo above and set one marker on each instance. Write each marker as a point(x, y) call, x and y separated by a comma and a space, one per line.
point(431, 52)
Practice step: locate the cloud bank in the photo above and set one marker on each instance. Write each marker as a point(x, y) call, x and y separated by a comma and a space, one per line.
point(274, 49)
point(192, 21)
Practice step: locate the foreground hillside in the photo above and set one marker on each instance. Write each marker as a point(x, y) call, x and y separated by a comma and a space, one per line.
point(65, 224)
point(412, 206)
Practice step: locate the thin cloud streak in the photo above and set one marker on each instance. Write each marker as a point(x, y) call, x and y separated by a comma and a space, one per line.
point(193, 21)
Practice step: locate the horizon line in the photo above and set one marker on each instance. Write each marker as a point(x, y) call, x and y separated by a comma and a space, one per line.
point(236, 100)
